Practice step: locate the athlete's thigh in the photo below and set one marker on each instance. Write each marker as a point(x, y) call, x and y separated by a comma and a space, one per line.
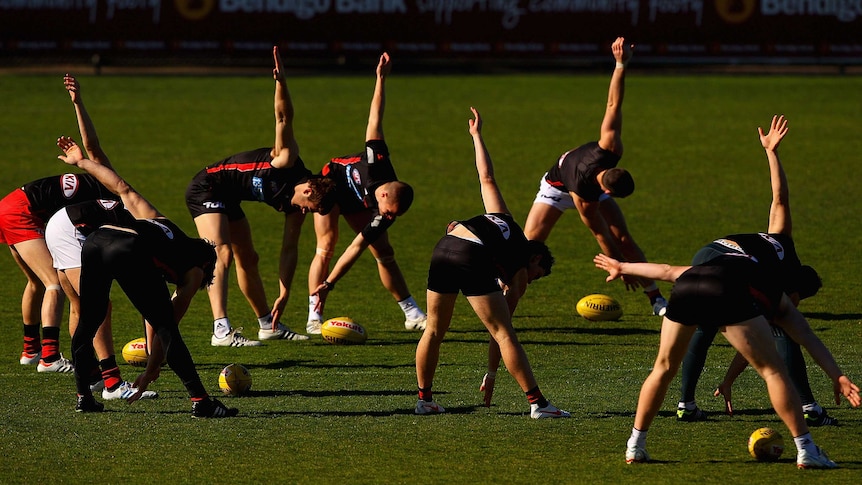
point(753, 339)
point(240, 238)
point(540, 220)
point(34, 253)
point(493, 310)
point(213, 227)
point(673, 343)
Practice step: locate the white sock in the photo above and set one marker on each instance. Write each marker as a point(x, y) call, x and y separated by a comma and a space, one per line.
point(221, 327)
point(804, 442)
point(411, 309)
point(689, 406)
point(638, 438)
point(312, 304)
point(265, 321)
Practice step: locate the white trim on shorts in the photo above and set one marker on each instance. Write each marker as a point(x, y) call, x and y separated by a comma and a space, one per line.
point(556, 198)
point(64, 241)
point(552, 196)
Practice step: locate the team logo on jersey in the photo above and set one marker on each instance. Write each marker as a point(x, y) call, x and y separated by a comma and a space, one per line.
point(502, 225)
point(69, 183)
point(353, 180)
point(257, 188)
point(108, 205)
point(779, 249)
point(167, 230)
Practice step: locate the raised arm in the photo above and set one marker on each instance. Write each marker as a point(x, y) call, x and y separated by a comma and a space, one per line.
point(491, 196)
point(610, 137)
point(285, 151)
point(653, 271)
point(134, 202)
point(89, 138)
point(779, 211)
point(374, 130)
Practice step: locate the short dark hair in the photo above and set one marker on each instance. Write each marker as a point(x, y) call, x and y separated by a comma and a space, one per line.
point(619, 181)
point(322, 193)
point(805, 281)
point(538, 248)
point(402, 194)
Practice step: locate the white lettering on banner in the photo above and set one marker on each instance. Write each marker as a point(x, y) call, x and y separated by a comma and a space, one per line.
point(303, 9)
point(843, 10)
point(444, 9)
point(586, 6)
point(676, 6)
point(370, 6)
point(115, 5)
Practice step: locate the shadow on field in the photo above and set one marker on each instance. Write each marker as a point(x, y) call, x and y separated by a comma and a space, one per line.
point(833, 316)
point(407, 411)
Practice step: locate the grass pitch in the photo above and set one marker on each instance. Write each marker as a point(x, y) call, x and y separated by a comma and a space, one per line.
point(333, 414)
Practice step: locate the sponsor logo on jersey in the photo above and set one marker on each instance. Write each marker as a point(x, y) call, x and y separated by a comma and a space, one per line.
point(69, 183)
point(213, 205)
point(369, 155)
point(167, 230)
point(732, 245)
point(779, 249)
point(502, 225)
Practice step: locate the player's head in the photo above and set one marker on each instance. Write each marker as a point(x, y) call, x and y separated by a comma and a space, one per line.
point(394, 198)
point(201, 253)
point(618, 182)
point(541, 260)
point(804, 282)
point(322, 194)
point(313, 194)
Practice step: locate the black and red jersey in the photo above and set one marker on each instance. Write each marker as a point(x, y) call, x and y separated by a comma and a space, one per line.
point(576, 170)
point(358, 175)
point(50, 194)
point(504, 239)
point(251, 176)
point(93, 214)
point(168, 246)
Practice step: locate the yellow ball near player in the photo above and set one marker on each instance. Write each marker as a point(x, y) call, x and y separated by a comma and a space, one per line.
point(234, 380)
point(766, 444)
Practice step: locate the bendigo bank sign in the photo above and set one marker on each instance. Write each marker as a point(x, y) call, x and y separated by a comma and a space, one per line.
point(665, 30)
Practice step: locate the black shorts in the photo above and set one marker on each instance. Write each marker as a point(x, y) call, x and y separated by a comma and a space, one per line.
point(714, 295)
point(461, 265)
point(202, 197)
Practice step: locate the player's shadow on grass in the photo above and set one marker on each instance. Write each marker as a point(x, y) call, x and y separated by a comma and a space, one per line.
point(833, 316)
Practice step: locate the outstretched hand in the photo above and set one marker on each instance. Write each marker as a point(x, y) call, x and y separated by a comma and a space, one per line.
point(622, 51)
point(142, 382)
point(73, 87)
point(844, 386)
point(777, 129)
point(609, 264)
point(384, 66)
point(475, 124)
point(724, 390)
point(72, 152)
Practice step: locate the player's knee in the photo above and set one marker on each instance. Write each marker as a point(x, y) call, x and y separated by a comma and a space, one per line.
point(324, 253)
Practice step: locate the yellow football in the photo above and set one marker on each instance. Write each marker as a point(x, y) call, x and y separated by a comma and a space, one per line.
point(599, 308)
point(234, 380)
point(766, 444)
point(135, 352)
point(343, 331)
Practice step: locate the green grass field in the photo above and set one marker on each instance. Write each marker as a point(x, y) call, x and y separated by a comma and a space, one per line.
point(333, 414)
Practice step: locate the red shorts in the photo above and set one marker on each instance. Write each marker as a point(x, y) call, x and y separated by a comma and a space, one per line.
point(17, 223)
